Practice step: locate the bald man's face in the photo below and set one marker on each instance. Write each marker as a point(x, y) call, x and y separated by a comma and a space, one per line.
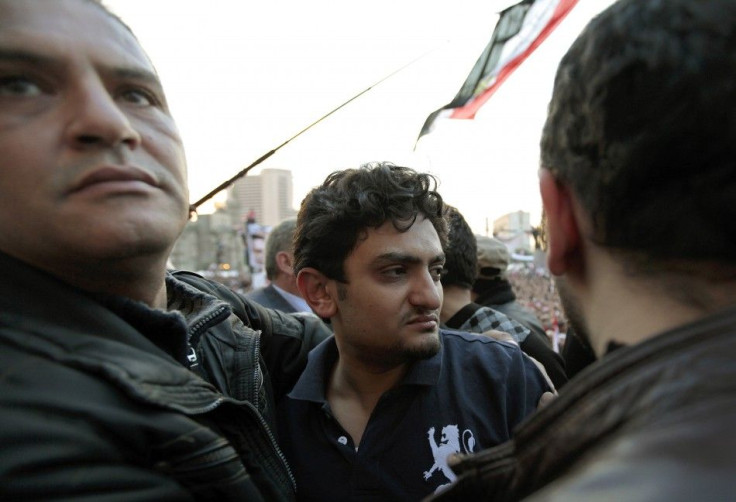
point(91, 163)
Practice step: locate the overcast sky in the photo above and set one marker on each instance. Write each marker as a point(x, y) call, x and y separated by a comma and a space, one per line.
point(242, 77)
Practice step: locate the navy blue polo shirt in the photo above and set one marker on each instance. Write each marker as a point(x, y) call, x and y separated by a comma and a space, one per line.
point(467, 397)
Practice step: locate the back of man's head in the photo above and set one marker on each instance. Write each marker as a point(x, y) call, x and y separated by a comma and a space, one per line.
point(279, 239)
point(642, 128)
point(461, 262)
point(334, 215)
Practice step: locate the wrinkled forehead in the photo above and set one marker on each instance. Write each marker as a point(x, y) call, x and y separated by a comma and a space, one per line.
point(70, 27)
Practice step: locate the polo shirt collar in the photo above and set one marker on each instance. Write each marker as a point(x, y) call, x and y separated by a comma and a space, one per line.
point(312, 384)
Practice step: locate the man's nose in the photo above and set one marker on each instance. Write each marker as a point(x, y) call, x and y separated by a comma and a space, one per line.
point(97, 119)
point(425, 292)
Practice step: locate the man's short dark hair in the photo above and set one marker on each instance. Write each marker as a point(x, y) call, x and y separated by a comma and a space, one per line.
point(461, 252)
point(642, 128)
point(279, 239)
point(336, 214)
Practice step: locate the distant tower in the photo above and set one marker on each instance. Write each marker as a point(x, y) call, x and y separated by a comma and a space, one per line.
point(514, 230)
point(267, 197)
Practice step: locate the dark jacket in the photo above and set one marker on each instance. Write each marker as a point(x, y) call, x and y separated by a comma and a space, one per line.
point(648, 422)
point(97, 401)
point(270, 298)
point(499, 295)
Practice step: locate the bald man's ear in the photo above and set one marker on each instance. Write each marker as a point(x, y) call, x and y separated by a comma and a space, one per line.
point(313, 286)
point(563, 231)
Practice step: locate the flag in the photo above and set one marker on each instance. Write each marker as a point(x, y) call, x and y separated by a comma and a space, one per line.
point(521, 28)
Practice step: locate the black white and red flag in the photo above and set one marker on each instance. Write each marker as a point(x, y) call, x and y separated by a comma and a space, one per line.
point(520, 29)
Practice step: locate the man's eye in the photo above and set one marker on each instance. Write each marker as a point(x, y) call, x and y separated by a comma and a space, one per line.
point(436, 273)
point(18, 86)
point(394, 272)
point(139, 97)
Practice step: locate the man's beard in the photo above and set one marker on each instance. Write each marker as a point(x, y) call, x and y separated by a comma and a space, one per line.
point(397, 354)
point(573, 314)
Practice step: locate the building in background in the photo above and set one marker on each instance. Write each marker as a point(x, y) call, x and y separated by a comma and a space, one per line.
point(213, 245)
point(266, 198)
point(227, 245)
point(514, 230)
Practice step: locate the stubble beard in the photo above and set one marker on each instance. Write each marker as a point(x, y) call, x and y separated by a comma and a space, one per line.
point(401, 352)
point(429, 347)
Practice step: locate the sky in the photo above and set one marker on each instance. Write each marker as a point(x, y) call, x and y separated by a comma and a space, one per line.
point(242, 77)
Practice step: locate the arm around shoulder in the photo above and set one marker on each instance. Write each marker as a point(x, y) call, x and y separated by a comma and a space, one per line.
point(286, 340)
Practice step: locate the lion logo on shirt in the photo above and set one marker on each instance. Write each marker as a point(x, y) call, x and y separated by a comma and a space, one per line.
point(449, 444)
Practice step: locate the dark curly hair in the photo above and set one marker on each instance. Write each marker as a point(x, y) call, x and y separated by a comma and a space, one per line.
point(333, 216)
point(642, 128)
point(461, 253)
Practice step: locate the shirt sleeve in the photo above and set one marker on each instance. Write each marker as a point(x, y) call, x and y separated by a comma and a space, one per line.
point(525, 385)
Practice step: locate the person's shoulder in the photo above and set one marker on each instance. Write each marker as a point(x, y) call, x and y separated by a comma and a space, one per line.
point(454, 341)
point(237, 300)
point(249, 311)
point(258, 294)
point(200, 282)
point(270, 297)
point(488, 361)
point(498, 357)
point(460, 337)
point(261, 291)
point(689, 456)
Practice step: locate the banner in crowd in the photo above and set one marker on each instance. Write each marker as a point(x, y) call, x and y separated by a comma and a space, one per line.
point(521, 28)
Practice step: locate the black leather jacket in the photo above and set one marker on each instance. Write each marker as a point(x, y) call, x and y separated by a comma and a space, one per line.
point(97, 402)
point(650, 422)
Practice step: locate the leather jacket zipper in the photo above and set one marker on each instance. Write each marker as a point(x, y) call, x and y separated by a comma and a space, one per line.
point(272, 439)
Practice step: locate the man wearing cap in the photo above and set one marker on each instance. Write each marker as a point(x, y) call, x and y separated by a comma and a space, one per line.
point(492, 288)
point(459, 312)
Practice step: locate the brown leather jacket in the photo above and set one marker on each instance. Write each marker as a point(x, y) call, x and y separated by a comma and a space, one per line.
point(649, 422)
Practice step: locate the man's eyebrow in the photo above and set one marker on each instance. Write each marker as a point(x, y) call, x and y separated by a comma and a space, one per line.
point(122, 72)
point(394, 257)
point(22, 56)
point(134, 74)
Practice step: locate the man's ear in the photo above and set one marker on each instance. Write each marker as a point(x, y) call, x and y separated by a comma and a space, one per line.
point(312, 285)
point(285, 263)
point(563, 230)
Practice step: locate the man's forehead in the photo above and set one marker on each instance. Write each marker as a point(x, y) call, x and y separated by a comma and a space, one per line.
point(420, 241)
point(68, 28)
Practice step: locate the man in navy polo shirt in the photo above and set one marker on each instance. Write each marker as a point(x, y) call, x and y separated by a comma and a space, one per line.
point(383, 403)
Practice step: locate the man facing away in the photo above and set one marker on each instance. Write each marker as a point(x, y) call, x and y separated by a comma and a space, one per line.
point(382, 404)
point(120, 381)
point(461, 313)
point(282, 293)
point(638, 182)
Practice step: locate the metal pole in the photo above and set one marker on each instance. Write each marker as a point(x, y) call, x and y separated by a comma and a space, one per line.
point(226, 184)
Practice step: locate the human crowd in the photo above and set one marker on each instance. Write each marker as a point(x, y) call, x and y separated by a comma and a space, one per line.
point(392, 354)
point(535, 289)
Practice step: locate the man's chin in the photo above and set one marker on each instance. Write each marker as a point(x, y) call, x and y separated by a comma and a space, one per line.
point(428, 347)
point(118, 250)
point(419, 347)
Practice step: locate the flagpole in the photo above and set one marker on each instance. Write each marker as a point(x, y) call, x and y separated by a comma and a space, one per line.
point(222, 186)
